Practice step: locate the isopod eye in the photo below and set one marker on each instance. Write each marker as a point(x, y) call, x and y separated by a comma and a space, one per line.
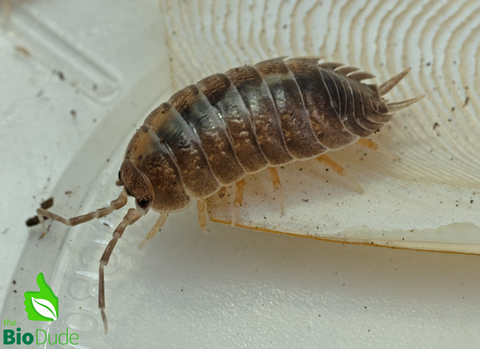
point(136, 184)
point(119, 182)
point(143, 203)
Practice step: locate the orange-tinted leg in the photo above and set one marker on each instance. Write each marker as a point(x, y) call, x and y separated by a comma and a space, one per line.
point(374, 146)
point(222, 192)
point(277, 185)
point(155, 229)
point(340, 170)
point(202, 216)
point(238, 200)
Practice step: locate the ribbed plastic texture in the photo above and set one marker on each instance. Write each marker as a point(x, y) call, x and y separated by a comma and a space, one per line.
point(427, 200)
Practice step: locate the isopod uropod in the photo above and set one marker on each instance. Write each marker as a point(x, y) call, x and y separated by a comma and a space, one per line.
point(212, 134)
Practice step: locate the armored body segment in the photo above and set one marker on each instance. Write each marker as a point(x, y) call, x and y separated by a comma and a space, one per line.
point(195, 109)
point(184, 145)
point(263, 113)
point(359, 105)
point(299, 136)
point(345, 102)
point(380, 112)
point(223, 95)
point(360, 99)
point(153, 160)
point(322, 107)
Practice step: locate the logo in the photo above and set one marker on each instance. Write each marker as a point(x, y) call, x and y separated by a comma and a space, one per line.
point(42, 305)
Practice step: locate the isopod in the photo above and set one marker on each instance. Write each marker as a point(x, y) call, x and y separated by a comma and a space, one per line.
point(212, 134)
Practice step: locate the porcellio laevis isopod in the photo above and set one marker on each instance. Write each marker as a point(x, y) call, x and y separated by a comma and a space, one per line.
point(212, 134)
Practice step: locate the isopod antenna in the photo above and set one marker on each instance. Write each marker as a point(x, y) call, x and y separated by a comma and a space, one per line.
point(131, 217)
point(116, 204)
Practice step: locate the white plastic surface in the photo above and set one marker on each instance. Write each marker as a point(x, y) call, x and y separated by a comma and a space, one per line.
point(230, 288)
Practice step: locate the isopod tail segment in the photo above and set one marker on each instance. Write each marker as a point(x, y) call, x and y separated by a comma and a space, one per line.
point(386, 86)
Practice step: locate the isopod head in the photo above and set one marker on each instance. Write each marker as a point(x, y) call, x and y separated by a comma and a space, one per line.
point(136, 184)
point(150, 175)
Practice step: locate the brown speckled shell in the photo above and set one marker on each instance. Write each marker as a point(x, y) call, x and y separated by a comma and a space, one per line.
point(226, 126)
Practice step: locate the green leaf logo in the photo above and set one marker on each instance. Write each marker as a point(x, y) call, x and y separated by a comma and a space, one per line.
point(43, 305)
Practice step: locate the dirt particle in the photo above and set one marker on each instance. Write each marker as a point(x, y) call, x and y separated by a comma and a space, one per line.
point(22, 50)
point(60, 74)
point(34, 220)
point(47, 204)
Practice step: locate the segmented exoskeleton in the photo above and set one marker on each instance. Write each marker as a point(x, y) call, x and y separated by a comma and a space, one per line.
point(214, 133)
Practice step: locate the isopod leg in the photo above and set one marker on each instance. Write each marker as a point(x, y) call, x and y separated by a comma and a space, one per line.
point(155, 229)
point(277, 185)
point(374, 146)
point(202, 216)
point(238, 200)
point(221, 193)
point(101, 212)
point(340, 170)
point(131, 217)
